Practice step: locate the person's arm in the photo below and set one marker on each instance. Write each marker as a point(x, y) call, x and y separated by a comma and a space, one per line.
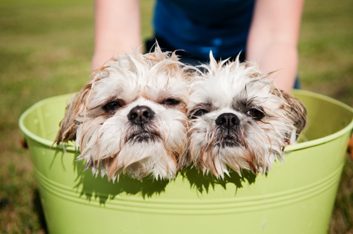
point(117, 29)
point(273, 39)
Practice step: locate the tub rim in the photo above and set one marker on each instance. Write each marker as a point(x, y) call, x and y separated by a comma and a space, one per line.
point(69, 147)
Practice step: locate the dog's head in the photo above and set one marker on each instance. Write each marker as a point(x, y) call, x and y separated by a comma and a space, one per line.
point(131, 118)
point(239, 120)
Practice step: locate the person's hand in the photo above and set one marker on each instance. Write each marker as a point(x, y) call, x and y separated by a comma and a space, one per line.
point(273, 39)
point(117, 29)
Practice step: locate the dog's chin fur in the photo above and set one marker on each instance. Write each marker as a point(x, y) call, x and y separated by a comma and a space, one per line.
point(140, 160)
point(109, 143)
point(234, 87)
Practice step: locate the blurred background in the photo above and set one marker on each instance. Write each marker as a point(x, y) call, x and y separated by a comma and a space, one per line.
point(46, 48)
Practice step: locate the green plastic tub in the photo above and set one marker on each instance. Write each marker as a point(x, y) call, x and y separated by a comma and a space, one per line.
point(297, 195)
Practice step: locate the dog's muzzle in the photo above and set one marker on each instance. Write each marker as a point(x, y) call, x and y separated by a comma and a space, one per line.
point(228, 121)
point(227, 134)
point(143, 136)
point(141, 117)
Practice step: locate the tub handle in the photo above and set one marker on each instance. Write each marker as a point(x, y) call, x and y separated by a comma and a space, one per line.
point(350, 146)
point(23, 143)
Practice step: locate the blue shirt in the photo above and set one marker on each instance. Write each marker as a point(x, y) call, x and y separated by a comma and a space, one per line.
point(198, 26)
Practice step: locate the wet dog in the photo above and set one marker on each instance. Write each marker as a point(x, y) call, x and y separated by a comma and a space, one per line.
point(239, 120)
point(131, 117)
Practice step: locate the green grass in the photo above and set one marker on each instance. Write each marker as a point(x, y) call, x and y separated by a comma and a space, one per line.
point(46, 48)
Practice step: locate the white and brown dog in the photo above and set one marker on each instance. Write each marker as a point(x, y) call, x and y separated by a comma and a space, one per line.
point(131, 117)
point(239, 120)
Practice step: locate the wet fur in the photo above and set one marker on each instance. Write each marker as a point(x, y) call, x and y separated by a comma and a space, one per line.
point(107, 141)
point(234, 87)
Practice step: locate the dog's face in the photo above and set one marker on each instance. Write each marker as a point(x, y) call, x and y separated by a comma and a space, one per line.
point(131, 118)
point(239, 120)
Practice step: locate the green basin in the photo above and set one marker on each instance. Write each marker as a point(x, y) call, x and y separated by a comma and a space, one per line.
point(297, 195)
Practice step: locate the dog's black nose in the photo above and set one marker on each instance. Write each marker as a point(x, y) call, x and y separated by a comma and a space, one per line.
point(140, 115)
point(227, 120)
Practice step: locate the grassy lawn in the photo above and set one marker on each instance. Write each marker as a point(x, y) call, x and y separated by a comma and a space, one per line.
point(45, 50)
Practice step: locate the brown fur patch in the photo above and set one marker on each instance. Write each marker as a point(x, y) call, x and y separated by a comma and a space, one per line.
point(68, 125)
point(294, 109)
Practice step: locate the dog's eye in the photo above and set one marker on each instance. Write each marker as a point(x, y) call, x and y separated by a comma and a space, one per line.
point(256, 114)
point(112, 106)
point(171, 102)
point(198, 113)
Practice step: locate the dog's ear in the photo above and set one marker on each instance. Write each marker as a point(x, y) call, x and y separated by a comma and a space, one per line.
point(294, 110)
point(68, 125)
